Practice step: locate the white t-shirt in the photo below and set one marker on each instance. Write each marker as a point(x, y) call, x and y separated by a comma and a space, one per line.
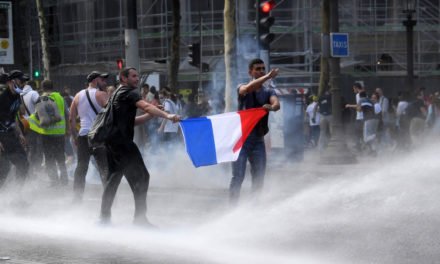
point(401, 107)
point(377, 108)
point(30, 97)
point(310, 111)
point(170, 107)
point(359, 115)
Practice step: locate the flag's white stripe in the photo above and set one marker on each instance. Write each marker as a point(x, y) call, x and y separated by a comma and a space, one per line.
point(227, 131)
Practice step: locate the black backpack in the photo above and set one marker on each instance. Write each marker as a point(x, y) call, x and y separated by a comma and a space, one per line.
point(103, 128)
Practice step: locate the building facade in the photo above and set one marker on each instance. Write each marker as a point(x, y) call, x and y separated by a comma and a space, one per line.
point(89, 34)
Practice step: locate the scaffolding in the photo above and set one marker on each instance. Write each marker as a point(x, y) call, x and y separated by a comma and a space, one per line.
point(91, 32)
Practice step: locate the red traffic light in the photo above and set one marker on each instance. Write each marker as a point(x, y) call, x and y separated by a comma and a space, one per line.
point(120, 63)
point(267, 6)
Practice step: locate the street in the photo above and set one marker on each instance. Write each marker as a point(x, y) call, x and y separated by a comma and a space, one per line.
point(376, 211)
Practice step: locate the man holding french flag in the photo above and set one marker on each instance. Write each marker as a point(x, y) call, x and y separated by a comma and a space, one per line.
point(236, 136)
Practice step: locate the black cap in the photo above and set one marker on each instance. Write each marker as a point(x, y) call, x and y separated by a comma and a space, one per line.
point(95, 74)
point(17, 74)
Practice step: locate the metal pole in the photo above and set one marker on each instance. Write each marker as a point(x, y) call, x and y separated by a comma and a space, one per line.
point(30, 58)
point(200, 89)
point(409, 23)
point(335, 69)
point(257, 21)
point(131, 37)
point(337, 151)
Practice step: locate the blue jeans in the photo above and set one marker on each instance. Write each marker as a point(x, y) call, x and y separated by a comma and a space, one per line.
point(253, 150)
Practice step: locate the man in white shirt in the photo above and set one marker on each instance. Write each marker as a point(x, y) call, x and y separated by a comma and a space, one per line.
point(86, 105)
point(314, 121)
point(169, 129)
point(29, 98)
point(359, 124)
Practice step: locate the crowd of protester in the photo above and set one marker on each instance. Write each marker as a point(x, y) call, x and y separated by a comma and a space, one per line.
point(375, 122)
point(55, 148)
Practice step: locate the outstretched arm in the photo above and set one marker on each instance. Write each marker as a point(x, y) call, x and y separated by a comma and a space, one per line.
point(255, 84)
point(142, 118)
point(154, 111)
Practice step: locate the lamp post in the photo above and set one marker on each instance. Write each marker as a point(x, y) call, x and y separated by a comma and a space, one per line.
point(409, 23)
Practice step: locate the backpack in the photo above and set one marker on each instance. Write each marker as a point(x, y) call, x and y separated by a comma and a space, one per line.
point(46, 111)
point(103, 128)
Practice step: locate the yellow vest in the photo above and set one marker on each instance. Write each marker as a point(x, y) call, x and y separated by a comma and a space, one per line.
point(58, 128)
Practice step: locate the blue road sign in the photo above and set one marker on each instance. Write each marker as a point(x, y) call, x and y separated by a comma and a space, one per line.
point(339, 44)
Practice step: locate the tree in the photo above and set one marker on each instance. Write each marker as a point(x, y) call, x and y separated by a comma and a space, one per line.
point(174, 60)
point(230, 54)
point(44, 39)
point(324, 68)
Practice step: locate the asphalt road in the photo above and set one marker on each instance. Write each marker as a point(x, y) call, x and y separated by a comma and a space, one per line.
point(382, 210)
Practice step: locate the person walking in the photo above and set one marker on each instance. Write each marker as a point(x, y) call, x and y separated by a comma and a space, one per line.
point(29, 98)
point(12, 141)
point(86, 105)
point(254, 94)
point(52, 136)
point(124, 157)
point(314, 121)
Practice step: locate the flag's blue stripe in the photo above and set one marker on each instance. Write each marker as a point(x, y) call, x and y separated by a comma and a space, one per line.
point(199, 141)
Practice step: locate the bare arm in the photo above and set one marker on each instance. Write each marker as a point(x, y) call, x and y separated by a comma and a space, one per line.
point(274, 104)
point(256, 84)
point(154, 111)
point(142, 118)
point(102, 98)
point(354, 106)
point(72, 118)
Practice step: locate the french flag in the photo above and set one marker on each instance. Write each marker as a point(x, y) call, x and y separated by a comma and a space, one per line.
point(218, 138)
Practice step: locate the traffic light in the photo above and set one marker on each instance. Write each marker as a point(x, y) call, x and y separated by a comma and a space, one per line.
point(37, 74)
point(194, 54)
point(264, 22)
point(120, 64)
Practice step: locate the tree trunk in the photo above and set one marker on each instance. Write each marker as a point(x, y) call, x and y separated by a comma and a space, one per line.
point(230, 55)
point(174, 60)
point(44, 39)
point(324, 69)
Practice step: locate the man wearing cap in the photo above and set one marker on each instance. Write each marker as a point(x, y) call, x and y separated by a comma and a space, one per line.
point(12, 140)
point(87, 104)
point(52, 137)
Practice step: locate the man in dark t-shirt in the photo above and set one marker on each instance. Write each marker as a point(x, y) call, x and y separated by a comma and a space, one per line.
point(254, 94)
point(124, 157)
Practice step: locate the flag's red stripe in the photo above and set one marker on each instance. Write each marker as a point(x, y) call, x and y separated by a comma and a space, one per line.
point(249, 118)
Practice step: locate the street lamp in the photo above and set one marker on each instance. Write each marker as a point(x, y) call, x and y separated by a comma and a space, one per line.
point(409, 23)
